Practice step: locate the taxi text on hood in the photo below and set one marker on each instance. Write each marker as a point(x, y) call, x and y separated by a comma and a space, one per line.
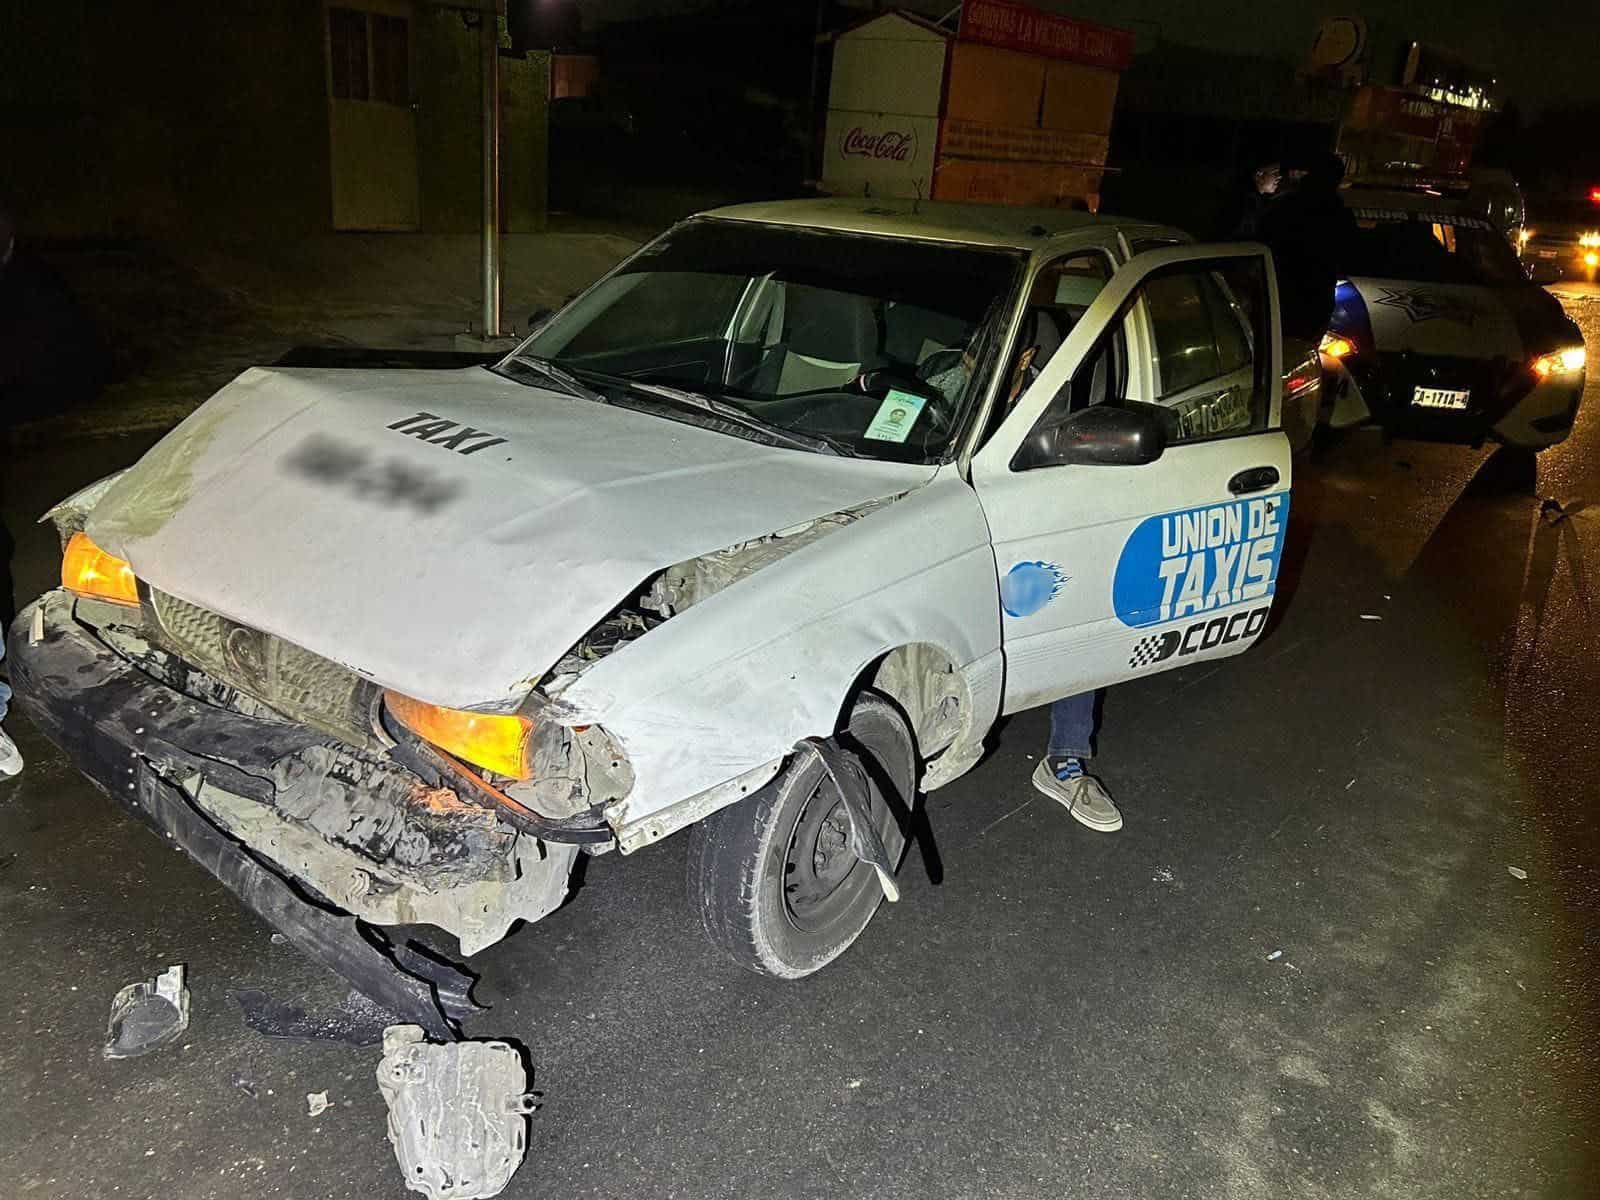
point(449, 534)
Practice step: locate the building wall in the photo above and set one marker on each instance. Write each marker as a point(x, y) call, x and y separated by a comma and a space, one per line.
point(163, 117)
point(122, 118)
point(450, 128)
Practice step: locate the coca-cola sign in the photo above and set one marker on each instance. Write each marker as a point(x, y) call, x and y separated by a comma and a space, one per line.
point(886, 145)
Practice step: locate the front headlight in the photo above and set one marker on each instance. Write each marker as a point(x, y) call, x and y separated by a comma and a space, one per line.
point(88, 570)
point(488, 740)
point(1559, 362)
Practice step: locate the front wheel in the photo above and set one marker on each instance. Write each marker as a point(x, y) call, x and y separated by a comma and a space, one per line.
point(773, 878)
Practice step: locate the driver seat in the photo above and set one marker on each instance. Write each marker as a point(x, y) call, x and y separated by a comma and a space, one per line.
point(829, 339)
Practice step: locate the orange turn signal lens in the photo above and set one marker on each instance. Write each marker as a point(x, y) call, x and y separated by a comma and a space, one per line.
point(1335, 346)
point(90, 571)
point(495, 743)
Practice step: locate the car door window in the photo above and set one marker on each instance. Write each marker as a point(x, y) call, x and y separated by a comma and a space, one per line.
point(1206, 322)
point(1186, 343)
point(1208, 328)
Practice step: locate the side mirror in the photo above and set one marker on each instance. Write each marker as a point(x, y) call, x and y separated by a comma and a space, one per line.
point(1128, 434)
point(538, 317)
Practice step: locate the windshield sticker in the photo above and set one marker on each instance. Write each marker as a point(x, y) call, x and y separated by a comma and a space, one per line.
point(441, 431)
point(1428, 306)
point(896, 415)
point(1183, 563)
point(1029, 586)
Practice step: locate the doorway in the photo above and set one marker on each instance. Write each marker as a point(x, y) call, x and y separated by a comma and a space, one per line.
point(372, 120)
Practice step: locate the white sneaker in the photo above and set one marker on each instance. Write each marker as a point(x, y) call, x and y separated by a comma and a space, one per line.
point(10, 757)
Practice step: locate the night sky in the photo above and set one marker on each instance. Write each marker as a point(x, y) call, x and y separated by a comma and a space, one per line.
point(1544, 51)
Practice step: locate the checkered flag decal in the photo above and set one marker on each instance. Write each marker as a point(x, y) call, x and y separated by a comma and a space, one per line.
point(1153, 649)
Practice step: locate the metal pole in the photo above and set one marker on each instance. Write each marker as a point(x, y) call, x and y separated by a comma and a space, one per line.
point(489, 45)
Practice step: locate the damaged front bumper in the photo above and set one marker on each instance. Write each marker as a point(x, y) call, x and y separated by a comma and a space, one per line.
point(324, 841)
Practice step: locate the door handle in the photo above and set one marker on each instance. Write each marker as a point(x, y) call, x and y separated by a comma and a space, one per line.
point(1253, 479)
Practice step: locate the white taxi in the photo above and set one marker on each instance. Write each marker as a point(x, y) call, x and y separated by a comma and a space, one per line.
point(758, 536)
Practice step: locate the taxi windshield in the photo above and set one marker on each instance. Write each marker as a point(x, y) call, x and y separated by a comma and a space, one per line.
point(872, 346)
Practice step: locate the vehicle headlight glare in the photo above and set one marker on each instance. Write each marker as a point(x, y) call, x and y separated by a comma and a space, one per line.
point(1560, 362)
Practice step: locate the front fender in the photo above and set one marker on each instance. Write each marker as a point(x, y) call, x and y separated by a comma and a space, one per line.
point(734, 682)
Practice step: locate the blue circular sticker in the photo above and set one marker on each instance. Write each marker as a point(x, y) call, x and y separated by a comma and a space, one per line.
point(1029, 586)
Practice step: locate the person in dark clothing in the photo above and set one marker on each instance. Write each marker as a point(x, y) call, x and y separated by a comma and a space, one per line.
point(50, 359)
point(1296, 210)
point(51, 356)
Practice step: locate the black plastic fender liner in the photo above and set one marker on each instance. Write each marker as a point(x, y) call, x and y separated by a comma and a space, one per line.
point(416, 988)
point(865, 842)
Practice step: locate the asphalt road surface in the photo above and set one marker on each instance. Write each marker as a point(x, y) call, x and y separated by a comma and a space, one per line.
point(1049, 1012)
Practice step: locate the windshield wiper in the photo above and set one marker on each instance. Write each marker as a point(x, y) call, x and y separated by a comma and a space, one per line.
point(559, 374)
point(819, 442)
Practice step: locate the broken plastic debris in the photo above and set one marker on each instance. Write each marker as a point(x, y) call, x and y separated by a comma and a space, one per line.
point(356, 1021)
point(146, 1016)
point(458, 1114)
point(316, 1103)
point(1275, 956)
point(1517, 872)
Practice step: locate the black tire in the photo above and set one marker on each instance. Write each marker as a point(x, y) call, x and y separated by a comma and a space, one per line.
point(775, 887)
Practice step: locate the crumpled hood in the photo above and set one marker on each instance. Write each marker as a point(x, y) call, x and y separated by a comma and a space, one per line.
point(449, 534)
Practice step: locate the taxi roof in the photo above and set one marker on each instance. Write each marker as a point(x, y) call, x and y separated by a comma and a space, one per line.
point(1024, 229)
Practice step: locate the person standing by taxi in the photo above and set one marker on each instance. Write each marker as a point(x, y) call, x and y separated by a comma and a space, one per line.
point(1295, 209)
point(51, 357)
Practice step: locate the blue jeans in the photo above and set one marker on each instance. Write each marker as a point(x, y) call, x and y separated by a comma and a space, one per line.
point(1072, 726)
